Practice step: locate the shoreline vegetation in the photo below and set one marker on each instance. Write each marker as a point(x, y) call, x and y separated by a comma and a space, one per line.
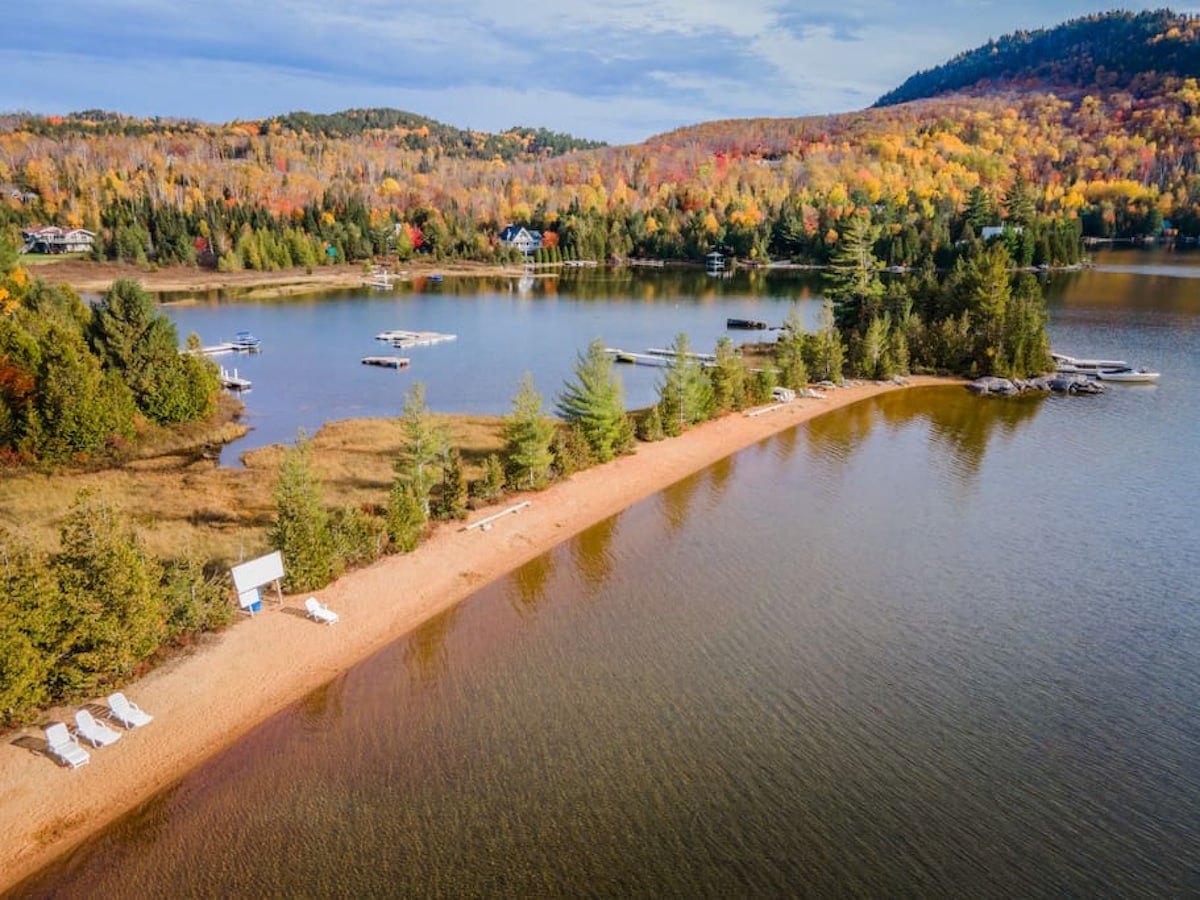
point(204, 700)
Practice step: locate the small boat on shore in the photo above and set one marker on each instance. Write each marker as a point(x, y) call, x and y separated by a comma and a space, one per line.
point(1128, 375)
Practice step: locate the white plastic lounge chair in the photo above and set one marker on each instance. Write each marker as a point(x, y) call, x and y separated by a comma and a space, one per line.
point(126, 711)
point(318, 612)
point(94, 732)
point(64, 747)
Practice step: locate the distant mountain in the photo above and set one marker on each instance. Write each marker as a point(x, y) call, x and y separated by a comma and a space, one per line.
point(404, 130)
point(1102, 51)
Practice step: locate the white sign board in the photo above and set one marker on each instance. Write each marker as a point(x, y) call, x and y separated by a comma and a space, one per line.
point(248, 577)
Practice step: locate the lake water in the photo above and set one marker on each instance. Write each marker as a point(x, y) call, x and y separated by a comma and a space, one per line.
point(929, 645)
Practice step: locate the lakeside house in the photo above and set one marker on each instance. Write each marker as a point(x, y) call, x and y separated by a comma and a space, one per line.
point(52, 239)
point(521, 238)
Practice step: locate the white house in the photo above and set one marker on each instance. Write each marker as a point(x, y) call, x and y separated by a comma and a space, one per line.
point(521, 238)
point(52, 239)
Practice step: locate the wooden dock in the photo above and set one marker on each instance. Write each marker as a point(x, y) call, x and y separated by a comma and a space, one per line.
point(402, 340)
point(232, 381)
point(386, 362)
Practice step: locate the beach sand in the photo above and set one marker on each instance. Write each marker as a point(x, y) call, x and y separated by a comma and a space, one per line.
point(205, 701)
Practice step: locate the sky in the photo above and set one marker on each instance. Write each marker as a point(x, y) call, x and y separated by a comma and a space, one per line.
point(618, 71)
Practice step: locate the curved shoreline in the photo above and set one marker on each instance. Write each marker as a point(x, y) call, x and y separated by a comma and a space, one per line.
point(204, 702)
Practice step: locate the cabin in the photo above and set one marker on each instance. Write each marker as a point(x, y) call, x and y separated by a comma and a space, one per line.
point(714, 262)
point(521, 238)
point(52, 239)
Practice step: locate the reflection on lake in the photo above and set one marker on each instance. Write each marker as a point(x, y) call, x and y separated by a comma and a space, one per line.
point(893, 652)
point(930, 644)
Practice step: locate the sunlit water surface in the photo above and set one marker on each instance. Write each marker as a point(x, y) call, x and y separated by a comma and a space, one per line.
point(928, 645)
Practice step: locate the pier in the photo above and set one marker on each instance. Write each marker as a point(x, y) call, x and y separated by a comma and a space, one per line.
point(233, 381)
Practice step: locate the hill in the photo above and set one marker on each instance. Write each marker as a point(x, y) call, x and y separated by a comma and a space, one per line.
point(403, 130)
point(1112, 50)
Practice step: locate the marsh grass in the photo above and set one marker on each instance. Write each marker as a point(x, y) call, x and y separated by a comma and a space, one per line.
point(181, 502)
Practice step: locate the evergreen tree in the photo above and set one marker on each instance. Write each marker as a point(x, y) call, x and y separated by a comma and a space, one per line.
point(685, 394)
point(30, 621)
point(790, 351)
point(452, 495)
point(594, 403)
point(826, 356)
point(853, 282)
point(491, 484)
point(406, 516)
point(301, 527)
point(79, 408)
point(110, 587)
point(527, 438)
point(728, 378)
point(1020, 202)
point(424, 442)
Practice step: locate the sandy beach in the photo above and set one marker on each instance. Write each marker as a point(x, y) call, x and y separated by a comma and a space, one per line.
point(205, 701)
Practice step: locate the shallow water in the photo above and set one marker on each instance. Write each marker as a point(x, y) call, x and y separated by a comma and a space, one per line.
point(926, 645)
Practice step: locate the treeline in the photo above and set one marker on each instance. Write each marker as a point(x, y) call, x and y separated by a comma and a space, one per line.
point(1103, 50)
point(75, 382)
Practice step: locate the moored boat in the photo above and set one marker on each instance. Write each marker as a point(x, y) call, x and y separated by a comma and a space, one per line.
point(745, 323)
point(1072, 365)
point(1128, 375)
point(246, 342)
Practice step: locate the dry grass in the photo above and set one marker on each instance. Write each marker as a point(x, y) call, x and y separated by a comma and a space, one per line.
point(179, 501)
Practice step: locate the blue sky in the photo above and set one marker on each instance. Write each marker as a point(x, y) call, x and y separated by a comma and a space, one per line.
point(618, 71)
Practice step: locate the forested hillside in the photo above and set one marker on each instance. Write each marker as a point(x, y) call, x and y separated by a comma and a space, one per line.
point(1098, 52)
point(1114, 159)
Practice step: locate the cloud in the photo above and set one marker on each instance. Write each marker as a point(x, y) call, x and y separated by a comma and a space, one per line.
point(618, 71)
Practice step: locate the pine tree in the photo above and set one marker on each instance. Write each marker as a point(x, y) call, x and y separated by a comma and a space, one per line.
point(527, 438)
point(594, 403)
point(853, 282)
point(789, 353)
point(30, 623)
point(424, 442)
point(111, 592)
point(406, 516)
point(685, 394)
point(452, 493)
point(301, 527)
point(728, 378)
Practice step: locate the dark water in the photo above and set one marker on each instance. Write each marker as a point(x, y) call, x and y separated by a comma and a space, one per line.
point(928, 645)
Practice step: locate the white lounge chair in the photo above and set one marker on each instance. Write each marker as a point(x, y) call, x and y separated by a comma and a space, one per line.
point(319, 612)
point(126, 711)
point(94, 732)
point(64, 747)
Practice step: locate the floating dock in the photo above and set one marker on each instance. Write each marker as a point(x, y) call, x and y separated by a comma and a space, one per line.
point(232, 381)
point(402, 339)
point(386, 362)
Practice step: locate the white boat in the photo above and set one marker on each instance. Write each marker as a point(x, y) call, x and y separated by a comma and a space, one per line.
point(1074, 366)
point(1126, 374)
point(246, 342)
